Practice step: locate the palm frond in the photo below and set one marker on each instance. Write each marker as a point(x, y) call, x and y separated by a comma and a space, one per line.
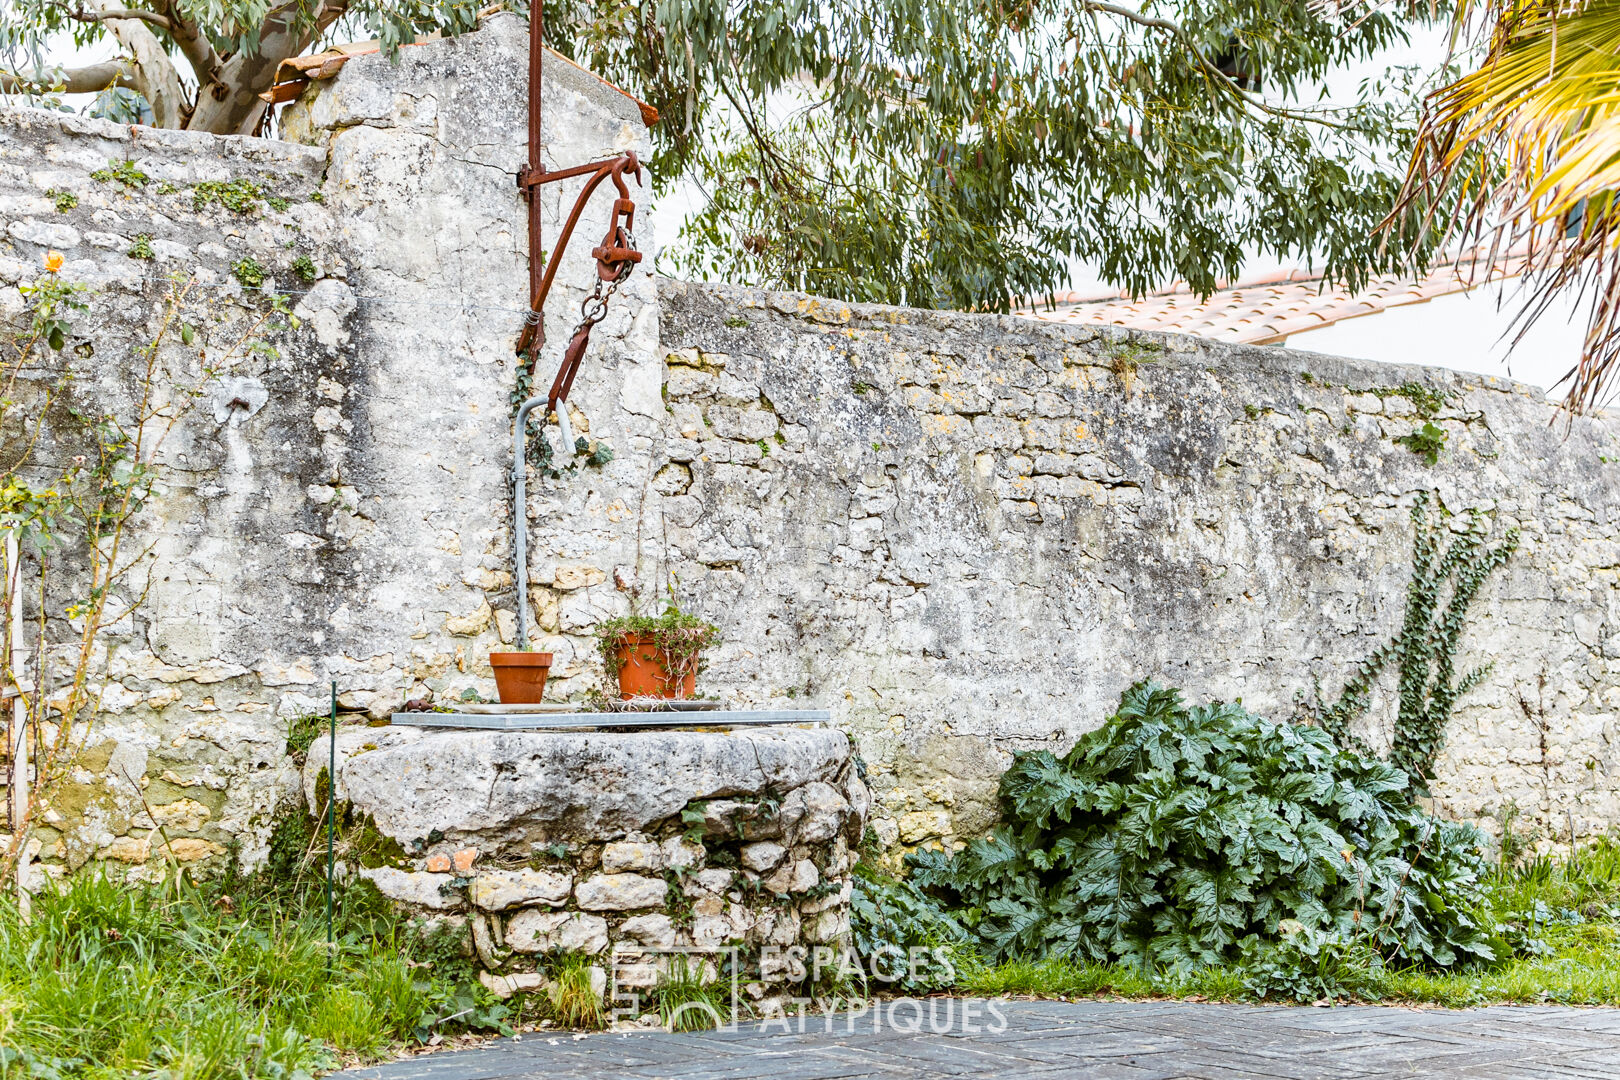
point(1523, 154)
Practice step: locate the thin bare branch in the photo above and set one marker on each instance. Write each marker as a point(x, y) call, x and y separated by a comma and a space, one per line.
point(83, 80)
point(107, 14)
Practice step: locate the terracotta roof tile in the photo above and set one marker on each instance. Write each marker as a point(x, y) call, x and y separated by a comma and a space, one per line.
point(1270, 308)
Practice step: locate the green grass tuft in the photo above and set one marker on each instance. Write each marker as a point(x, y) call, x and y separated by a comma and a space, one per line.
point(196, 982)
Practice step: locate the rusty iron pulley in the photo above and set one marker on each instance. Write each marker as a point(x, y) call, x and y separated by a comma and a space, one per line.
point(615, 257)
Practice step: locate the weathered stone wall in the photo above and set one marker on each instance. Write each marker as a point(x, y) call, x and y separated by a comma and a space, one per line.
point(615, 845)
point(962, 534)
point(967, 534)
point(352, 523)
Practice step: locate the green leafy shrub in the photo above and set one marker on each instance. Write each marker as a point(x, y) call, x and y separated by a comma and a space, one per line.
point(1185, 837)
point(240, 196)
point(1309, 966)
point(908, 942)
point(122, 172)
point(304, 268)
point(249, 272)
point(142, 247)
point(1426, 442)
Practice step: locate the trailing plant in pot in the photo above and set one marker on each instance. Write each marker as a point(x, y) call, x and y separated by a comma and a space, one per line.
point(655, 656)
point(520, 677)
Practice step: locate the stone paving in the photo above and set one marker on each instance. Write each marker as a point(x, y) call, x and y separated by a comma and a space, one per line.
point(1103, 1040)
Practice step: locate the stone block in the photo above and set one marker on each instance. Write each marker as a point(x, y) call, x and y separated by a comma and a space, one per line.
point(633, 856)
point(424, 890)
point(657, 931)
point(762, 856)
point(620, 892)
point(535, 931)
point(497, 890)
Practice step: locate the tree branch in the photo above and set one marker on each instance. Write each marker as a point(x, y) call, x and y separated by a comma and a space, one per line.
point(154, 74)
point(106, 14)
point(194, 45)
point(1209, 65)
point(230, 104)
point(85, 80)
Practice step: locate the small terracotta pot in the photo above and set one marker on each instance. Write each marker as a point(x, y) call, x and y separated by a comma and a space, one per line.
point(644, 670)
point(520, 677)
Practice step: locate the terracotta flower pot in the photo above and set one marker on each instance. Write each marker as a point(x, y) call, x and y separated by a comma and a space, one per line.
point(520, 677)
point(644, 670)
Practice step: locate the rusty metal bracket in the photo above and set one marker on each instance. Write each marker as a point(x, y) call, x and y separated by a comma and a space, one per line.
point(615, 256)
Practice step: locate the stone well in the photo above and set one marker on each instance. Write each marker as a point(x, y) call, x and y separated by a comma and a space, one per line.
point(602, 842)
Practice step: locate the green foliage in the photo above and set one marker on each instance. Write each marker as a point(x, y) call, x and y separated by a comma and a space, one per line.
point(240, 196)
point(680, 636)
point(955, 154)
point(1426, 399)
point(249, 272)
point(304, 268)
point(690, 997)
point(50, 303)
point(906, 939)
point(1556, 935)
point(574, 1000)
point(1426, 442)
point(1444, 585)
point(1186, 837)
point(1306, 965)
point(62, 200)
point(142, 247)
point(1126, 356)
point(303, 730)
point(948, 153)
point(110, 979)
point(277, 203)
point(122, 172)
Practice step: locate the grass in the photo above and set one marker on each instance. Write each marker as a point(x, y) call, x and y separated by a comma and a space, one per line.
point(193, 983)
point(575, 1002)
point(1557, 919)
point(689, 1001)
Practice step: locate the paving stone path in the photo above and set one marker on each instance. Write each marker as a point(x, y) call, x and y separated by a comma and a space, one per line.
point(1104, 1040)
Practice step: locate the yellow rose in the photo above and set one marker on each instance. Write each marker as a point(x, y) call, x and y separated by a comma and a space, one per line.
point(53, 261)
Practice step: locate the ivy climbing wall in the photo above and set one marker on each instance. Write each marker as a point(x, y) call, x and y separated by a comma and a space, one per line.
point(964, 535)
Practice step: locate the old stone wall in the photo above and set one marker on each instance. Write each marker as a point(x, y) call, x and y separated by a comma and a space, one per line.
point(968, 534)
point(623, 846)
point(964, 535)
point(349, 520)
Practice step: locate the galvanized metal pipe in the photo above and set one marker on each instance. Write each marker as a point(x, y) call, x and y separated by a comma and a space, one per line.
point(520, 507)
point(520, 515)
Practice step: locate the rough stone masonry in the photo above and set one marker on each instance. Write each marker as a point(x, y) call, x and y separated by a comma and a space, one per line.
point(963, 534)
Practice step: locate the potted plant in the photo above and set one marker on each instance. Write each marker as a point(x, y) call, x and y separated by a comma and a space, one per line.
point(655, 656)
point(520, 677)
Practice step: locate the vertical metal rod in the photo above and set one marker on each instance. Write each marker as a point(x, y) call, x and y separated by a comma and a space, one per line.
point(537, 165)
point(520, 514)
point(17, 657)
point(18, 735)
point(331, 801)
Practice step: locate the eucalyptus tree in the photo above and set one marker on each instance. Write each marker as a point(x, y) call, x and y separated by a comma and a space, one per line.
point(945, 153)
